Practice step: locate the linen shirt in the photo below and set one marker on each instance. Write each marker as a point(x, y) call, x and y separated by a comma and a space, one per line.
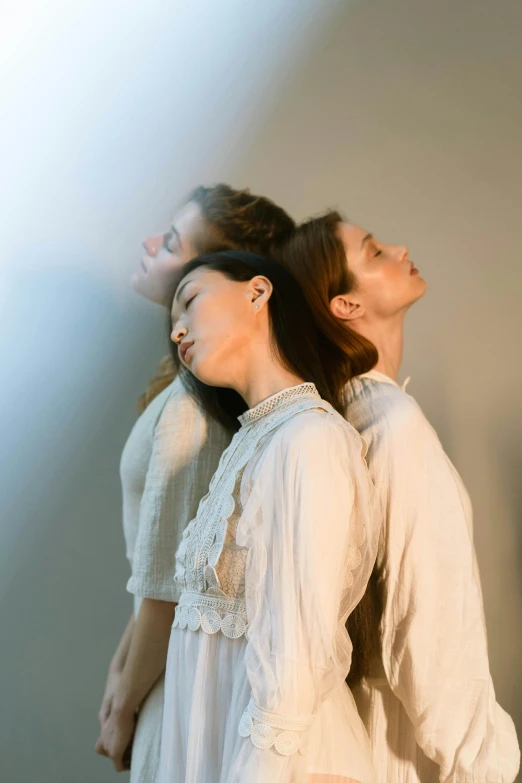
point(166, 466)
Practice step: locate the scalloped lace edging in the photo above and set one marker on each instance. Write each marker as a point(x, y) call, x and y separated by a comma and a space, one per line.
point(212, 614)
point(262, 728)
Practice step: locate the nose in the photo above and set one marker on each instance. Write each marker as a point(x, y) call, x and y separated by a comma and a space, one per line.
point(178, 333)
point(403, 252)
point(153, 244)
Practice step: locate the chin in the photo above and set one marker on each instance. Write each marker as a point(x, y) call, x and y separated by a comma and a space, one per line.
point(211, 376)
point(136, 282)
point(202, 372)
point(423, 286)
point(140, 286)
point(419, 289)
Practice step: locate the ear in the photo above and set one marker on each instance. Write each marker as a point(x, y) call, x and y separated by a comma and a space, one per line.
point(346, 307)
point(260, 291)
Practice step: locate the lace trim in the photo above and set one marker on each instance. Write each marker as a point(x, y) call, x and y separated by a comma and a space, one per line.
point(218, 602)
point(204, 537)
point(211, 614)
point(260, 726)
point(269, 404)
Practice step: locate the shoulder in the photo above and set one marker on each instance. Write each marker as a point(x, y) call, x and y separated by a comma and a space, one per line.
point(401, 441)
point(385, 407)
point(316, 431)
point(177, 401)
point(181, 417)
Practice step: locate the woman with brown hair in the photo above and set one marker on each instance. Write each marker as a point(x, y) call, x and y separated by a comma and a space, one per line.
point(423, 685)
point(166, 466)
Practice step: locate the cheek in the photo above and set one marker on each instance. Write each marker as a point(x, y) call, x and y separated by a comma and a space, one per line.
point(165, 265)
point(220, 342)
point(384, 287)
point(220, 329)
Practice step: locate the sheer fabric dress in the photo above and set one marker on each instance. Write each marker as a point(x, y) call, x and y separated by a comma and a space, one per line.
point(278, 554)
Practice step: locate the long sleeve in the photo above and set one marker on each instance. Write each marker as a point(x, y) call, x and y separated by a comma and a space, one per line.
point(185, 453)
point(434, 637)
point(311, 534)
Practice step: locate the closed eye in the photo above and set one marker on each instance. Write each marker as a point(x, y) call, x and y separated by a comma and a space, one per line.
point(189, 301)
point(170, 239)
point(378, 253)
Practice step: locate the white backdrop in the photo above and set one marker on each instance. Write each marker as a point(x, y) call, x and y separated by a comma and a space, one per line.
point(406, 115)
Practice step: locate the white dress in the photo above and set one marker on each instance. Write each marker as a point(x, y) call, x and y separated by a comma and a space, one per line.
point(166, 465)
point(429, 706)
point(278, 555)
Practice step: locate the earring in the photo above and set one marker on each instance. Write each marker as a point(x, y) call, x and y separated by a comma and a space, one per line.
point(257, 307)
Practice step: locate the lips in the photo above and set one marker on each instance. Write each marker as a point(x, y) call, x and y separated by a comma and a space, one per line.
point(413, 270)
point(183, 350)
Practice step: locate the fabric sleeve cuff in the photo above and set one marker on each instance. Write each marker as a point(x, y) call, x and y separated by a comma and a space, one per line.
point(159, 592)
point(286, 733)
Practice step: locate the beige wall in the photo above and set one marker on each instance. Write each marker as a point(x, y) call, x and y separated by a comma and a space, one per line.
point(407, 115)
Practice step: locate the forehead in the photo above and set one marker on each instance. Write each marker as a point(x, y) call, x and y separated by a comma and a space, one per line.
point(188, 221)
point(352, 236)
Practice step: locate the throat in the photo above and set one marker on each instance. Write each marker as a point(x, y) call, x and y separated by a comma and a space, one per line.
point(388, 338)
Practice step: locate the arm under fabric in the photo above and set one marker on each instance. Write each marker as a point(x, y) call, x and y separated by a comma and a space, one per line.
point(311, 537)
point(434, 644)
point(186, 450)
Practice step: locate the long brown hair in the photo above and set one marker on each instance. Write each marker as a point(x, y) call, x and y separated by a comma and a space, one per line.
point(316, 256)
point(231, 219)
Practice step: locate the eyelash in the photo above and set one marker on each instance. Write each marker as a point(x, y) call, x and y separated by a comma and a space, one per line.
point(378, 253)
point(189, 301)
point(167, 242)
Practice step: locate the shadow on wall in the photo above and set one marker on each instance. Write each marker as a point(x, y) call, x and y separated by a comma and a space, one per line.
point(506, 450)
point(73, 360)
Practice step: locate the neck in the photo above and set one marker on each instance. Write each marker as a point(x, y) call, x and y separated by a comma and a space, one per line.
point(388, 338)
point(261, 377)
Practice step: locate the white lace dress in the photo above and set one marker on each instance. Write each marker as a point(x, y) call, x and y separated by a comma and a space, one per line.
point(278, 555)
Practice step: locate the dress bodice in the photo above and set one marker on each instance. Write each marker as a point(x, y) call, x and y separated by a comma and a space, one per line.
point(210, 564)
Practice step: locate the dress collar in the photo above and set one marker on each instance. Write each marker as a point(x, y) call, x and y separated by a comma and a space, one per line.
point(375, 375)
point(292, 393)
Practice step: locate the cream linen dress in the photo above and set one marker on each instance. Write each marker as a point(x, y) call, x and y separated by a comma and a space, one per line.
point(430, 706)
point(278, 554)
point(166, 466)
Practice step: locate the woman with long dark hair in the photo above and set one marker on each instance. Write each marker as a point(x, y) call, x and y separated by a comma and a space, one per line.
point(280, 550)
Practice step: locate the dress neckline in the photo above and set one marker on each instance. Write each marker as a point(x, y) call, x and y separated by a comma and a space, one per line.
point(376, 375)
point(291, 393)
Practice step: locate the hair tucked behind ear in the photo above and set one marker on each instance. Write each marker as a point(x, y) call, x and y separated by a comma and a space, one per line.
point(231, 219)
point(316, 256)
